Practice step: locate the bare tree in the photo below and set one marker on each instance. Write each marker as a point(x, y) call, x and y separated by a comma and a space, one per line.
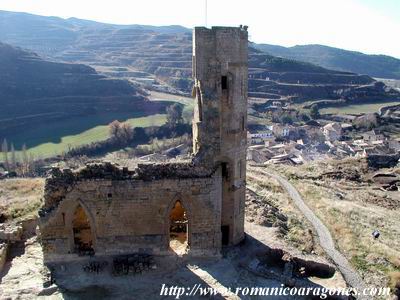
point(126, 132)
point(4, 149)
point(13, 158)
point(31, 167)
point(122, 132)
point(174, 115)
point(25, 160)
point(114, 128)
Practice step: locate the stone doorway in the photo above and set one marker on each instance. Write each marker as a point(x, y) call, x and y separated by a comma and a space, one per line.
point(83, 238)
point(178, 229)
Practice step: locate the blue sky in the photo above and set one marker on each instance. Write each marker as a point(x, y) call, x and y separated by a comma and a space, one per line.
point(370, 26)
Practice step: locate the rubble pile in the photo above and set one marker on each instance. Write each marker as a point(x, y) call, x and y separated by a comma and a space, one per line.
point(262, 212)
point(298, 266)
point(292, 270)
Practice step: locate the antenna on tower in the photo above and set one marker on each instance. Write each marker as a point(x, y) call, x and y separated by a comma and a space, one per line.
point(206, 12)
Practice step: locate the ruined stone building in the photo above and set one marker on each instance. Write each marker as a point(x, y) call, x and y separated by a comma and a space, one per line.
point(106, 210)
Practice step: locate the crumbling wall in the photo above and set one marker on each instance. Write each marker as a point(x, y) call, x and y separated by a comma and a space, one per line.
point(130, 213)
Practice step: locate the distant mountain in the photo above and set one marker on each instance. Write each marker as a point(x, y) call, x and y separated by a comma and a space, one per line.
point(130, 51)
point(33, 91)
point(380, 66)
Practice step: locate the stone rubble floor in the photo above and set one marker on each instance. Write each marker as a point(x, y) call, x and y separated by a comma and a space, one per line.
point(23, 278)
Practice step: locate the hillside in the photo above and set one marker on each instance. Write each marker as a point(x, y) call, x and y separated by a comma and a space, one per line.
point(159, 56)
point(34, 91)
point(380, 66)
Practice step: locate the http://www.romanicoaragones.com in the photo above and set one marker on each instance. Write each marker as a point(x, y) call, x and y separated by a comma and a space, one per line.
point(179, 292)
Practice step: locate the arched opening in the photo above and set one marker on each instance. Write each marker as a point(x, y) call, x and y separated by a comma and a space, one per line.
point(83, 239)
point(227, 172)
point(178, 229)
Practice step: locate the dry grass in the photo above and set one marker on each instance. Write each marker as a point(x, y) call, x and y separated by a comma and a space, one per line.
point(20, 197)
point(352, 217)
point(394, 280)
point(299, 232)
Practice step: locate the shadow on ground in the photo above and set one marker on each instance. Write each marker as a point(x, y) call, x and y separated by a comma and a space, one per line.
point(197, 276)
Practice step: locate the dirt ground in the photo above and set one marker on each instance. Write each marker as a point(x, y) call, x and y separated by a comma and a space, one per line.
point(23, 278)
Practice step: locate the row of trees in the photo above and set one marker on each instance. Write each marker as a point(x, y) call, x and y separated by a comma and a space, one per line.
point(20, 163)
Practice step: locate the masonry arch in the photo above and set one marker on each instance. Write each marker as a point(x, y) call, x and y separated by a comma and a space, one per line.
point(179, 226)
point(82, 229)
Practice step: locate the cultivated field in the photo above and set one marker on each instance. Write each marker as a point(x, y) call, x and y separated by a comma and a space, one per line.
point(357, 108)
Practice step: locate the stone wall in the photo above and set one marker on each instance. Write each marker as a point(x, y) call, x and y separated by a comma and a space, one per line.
point(129, 215)
point(220, 71)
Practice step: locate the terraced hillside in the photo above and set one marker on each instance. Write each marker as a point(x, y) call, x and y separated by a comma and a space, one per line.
point(154, 55)
point(34, 91)
point(381, 66)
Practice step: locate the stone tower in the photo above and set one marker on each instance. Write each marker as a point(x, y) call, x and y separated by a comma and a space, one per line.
point(220, 72)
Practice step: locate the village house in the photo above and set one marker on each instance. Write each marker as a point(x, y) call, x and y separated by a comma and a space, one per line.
point(260, 137)
point(373, 136)
point(283, 131)
point(332, 132)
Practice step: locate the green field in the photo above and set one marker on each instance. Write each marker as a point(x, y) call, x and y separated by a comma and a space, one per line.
point(357, 108)
point(46, 141)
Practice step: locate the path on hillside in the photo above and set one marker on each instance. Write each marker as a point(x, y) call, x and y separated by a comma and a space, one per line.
point(325, 239)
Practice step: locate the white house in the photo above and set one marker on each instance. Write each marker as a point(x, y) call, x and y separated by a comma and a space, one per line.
point(332, 132)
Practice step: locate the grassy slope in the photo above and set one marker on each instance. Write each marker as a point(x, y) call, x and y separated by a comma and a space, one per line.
point(46, 141)
point(53, 142)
